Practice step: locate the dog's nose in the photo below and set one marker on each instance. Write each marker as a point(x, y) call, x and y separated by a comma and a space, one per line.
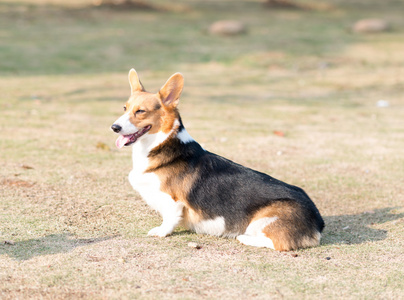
point(116, 128)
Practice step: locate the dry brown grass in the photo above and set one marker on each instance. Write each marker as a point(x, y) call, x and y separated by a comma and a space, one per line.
point(75, 228)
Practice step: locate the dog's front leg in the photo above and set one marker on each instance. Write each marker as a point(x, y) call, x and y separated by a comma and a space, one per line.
point(172, 216)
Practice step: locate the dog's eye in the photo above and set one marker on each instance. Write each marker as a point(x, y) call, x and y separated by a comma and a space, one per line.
point(140, 111)
point(124, 108)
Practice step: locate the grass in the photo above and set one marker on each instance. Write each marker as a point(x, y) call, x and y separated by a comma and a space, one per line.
point(75, 228)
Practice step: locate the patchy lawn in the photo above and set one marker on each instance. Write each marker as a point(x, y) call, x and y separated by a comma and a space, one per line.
point(297, 97)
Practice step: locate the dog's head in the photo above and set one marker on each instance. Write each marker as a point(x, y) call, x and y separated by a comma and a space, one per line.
point(147, 113)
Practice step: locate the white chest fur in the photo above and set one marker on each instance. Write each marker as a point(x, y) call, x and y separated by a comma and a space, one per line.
point(147, 184)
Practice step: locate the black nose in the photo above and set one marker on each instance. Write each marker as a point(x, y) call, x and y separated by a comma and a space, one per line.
point(116, 128)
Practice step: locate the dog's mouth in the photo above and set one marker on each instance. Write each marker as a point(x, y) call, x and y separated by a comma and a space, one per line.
point(127, 140)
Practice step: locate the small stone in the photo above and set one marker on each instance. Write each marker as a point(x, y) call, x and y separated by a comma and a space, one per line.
point(194, 245)
point(294, 255)
point(383, 103)
point(27, 167)
point(328, 258)
point(9, 242)
point(227, 27)
point(370, 26)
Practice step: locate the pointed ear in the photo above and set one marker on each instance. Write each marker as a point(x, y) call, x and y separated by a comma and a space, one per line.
point(135, 84)
point(171, 91)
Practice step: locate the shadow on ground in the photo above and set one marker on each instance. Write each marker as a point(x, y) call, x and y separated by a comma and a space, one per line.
point(343, 229)
point(50, 244)
point(357, 229)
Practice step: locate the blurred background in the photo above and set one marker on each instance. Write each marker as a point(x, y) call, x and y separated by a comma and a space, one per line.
point(88, 36)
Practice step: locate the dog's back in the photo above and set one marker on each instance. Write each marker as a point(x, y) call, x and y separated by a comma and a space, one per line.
point(214, 188)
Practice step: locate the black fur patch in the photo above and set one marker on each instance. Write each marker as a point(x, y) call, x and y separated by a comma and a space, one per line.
point(226, 189)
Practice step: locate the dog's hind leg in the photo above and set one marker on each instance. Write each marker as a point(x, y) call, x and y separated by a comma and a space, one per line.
point(256, 241)
point(254, 235)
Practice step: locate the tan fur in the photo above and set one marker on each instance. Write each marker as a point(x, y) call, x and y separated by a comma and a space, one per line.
point(191, 217)
point(160, 110)
point(148, 103)
point(178, 190)
point(289, 231)
point(171, 91)
point(176, 187)
point(169, 96)
point(134, 81)
point(170, 115)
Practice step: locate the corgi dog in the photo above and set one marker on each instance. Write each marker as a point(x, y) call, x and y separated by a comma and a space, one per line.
point(202, 191)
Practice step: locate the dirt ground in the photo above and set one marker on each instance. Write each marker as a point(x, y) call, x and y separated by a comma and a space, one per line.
point(298, 96)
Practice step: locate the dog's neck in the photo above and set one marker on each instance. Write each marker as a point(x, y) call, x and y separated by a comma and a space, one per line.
point(148, 142)
point(153, 150)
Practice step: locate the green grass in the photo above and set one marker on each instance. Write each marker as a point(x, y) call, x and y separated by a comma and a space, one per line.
point(76, 229)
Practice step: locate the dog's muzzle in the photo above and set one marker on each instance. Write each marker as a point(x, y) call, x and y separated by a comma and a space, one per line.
point(116, 128)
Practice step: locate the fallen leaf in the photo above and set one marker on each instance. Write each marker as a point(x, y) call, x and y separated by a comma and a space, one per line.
point(279, 133)
point(103, 146)
point(95, 258)
point(27, 167)
point(17, 183)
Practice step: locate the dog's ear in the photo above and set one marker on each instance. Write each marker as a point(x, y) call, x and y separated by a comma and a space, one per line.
point(135, 84)
point(171, 90)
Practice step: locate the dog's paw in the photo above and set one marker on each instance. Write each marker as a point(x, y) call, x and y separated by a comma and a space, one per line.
point(159, 231)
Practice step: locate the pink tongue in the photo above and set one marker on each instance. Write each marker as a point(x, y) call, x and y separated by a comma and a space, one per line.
point(121, 141)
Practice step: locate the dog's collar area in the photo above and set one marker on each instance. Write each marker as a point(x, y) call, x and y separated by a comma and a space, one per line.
point(127, 140)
